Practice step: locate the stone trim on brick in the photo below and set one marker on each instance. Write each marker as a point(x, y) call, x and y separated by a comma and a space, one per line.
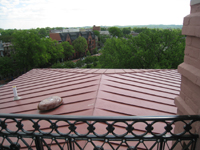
point(191, 61)
point(183, 107)
point(191, 30)
point(190, 72)
point(193, 2)
point(192, 52)
point(193, 87)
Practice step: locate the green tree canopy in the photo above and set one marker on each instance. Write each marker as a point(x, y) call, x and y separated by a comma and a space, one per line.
point(152, 48)
point(103, 29)
point(126, 30)
point(115, 31)
point(97, 33)
point(6, 65)
point(80, 44)
point(55, 50)
point(102, 39)
point(6, 35)
point(43, 32)
point(116, 53)
point(140, 29)
point(68, 49)
point(32, 51)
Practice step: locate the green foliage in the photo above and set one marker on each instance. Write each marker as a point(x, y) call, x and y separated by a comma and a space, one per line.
point(6, 65)
point(80, 63)
point(126, 30)
point(80, 44)
point(54, 49)
point(97, 33)
point(88, 60)
point(29, 50)
point(58, 28)
point(152, 48)
point(6, 35)
point(67, 64)
point(103, 29)
point(70, 64)
point(138, 30)
point(68, 49)
point(94, 64)
point(32, 51)
point(95, 58)
point(88, 53)
point(43, 32)
point(88, 65)
point(102, 39)
point(95, 51)
point(58, 65)
point(8, 32)
point(115, 31)
point(6, 38)
point(115, 53)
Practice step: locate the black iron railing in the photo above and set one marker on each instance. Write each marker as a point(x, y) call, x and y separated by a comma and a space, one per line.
point(40, 132)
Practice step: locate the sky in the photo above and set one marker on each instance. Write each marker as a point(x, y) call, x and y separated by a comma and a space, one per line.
point(26, 14)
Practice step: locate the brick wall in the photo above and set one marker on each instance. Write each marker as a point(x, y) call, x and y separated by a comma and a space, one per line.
point(98, 28)
point(55, 36)
point(188, 102)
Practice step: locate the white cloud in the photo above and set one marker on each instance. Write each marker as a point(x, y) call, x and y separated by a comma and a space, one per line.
point(65, 13)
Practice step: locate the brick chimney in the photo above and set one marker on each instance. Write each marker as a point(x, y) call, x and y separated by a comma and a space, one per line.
point(188, 102)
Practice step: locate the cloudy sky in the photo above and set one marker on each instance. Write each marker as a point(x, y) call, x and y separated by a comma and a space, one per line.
point(26, 14)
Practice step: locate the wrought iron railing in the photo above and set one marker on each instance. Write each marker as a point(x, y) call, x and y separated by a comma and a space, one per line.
point(20, 131)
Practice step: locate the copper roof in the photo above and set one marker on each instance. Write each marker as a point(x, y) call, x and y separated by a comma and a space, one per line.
point(95, 92)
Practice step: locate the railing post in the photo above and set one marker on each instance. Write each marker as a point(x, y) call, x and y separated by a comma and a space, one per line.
point(70, 143)
point(161, 144)
point(38, 143)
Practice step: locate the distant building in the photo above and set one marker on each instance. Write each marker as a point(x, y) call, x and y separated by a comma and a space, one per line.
point(1, 49)
point(97, 28)
point(5, 48)
point(133, 33)
point(71, 36)
point(64, 31)
point(104, 33)
point(70, 30)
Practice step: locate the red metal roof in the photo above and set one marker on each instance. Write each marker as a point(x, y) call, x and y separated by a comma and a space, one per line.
point(95, 92)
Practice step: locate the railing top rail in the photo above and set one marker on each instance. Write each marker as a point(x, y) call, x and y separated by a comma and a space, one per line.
point(103, 118)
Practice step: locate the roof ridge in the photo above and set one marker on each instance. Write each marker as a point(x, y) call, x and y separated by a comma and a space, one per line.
point(105, 71)
point(97, 94)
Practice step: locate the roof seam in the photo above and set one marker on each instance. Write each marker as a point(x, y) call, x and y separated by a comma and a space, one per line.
point(97, 94)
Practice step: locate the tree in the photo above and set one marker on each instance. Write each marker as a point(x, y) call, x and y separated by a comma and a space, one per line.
point(6, 35)
point(116, 53)
point(103, 29)
point(55, 50)
point(68, 49)
point(6, 65)
point(140, 29)
point(126, 30)
point(80, 45)
point(151, 49)
point(102, 39)
point(88, 53)
point(115, 31)
point(43, 32)
point(32, 51)
point(97, 33)
point(155, 48)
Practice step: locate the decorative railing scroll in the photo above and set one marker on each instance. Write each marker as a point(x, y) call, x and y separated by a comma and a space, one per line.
point(21, 131)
